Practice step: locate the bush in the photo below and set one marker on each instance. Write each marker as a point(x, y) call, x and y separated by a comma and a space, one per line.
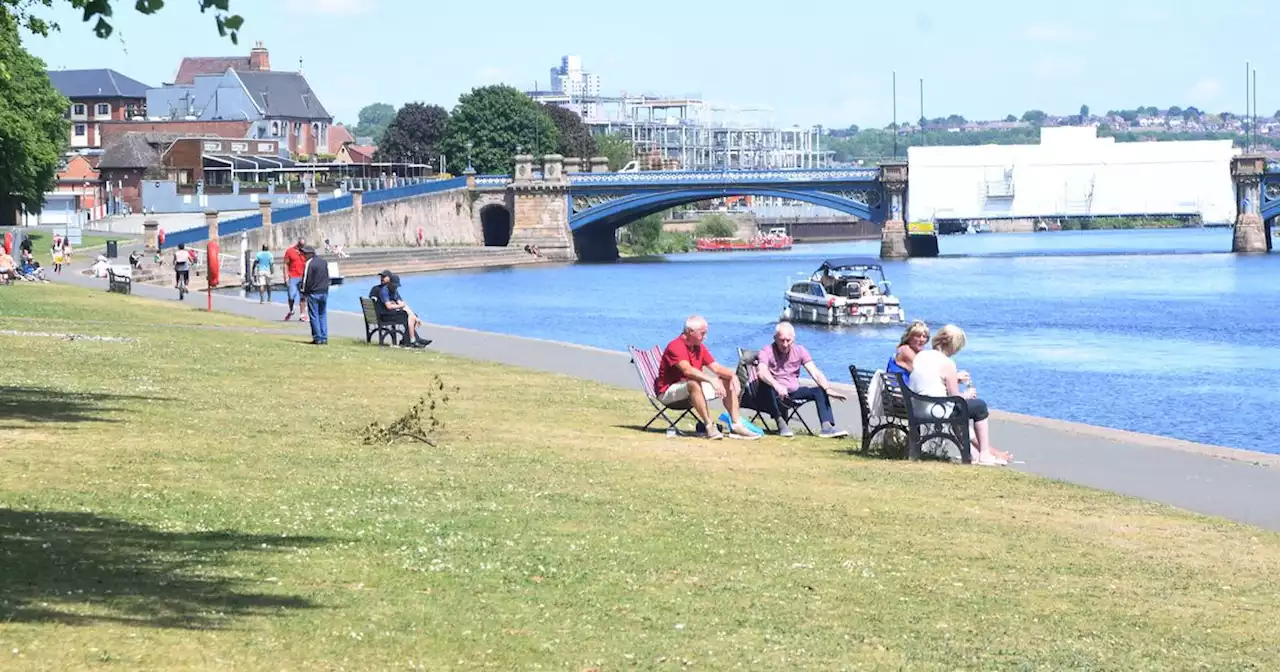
point(716, 226)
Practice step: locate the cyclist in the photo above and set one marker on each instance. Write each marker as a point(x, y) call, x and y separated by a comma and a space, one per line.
point(181, 269)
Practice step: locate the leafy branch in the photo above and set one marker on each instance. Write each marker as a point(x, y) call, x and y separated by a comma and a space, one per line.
point(99, 11)
point(419, 423)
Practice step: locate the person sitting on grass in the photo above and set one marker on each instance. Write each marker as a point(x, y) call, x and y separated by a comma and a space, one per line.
point(8, 269)
point(682, 377)
point(391, 307)
point(778, 369)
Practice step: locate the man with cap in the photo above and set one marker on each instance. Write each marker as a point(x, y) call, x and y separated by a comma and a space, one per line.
point(390, 306)
point(315, 291)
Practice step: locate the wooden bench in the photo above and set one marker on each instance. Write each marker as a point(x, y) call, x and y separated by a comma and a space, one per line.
point(892, 414)
point(384, 327)
point(119, 282)
point(920, 418)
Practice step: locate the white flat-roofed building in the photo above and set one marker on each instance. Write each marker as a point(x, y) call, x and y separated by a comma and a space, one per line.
point(1072, 173)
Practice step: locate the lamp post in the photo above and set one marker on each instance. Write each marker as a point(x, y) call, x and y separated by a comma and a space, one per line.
point(469, 170)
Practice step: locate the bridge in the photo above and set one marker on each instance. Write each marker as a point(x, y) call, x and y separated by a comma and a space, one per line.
point(575, 214)
point(570, 214)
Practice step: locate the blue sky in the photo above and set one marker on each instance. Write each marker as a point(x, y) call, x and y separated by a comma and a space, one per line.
point(808, 61)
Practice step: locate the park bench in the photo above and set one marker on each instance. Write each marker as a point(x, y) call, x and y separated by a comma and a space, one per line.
point(119, 282)
point(383, 325)
point(892, 412)
point(921, 418)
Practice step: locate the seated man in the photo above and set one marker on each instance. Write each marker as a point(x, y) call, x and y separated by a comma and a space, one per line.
point(391, 307)
point(681, 377)
point(778, 379)
point(8, 269)
point(135, 259)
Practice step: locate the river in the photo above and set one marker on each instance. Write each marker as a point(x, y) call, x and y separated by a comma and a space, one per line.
point(1152, 331)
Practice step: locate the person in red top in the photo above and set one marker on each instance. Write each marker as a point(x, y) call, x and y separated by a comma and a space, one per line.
point(681, 377)
point(294, 264)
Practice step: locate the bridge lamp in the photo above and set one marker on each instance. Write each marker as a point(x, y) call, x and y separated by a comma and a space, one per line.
point(469, 168)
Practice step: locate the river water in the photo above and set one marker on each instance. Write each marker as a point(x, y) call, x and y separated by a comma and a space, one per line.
point(1152, 331)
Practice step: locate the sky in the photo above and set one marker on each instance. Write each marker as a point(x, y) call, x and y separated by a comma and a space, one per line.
point(800, 62)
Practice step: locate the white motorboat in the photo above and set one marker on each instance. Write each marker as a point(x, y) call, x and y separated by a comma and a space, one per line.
point(846, 291)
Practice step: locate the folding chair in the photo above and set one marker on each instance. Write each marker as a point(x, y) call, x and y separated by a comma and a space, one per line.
point(790, 410)
point(646, 363)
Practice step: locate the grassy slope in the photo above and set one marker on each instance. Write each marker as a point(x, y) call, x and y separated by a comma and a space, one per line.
point(173, 501)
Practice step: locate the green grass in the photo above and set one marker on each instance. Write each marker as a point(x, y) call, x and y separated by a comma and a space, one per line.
point(200, 498)
point(42, 239)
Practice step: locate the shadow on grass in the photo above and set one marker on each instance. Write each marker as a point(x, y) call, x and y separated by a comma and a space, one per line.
point(80, 569)
point(34, 404)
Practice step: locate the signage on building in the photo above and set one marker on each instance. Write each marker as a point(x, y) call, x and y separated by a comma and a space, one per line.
point(920, 228)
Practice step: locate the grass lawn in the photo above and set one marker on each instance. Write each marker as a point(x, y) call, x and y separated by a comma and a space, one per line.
point(200, 498)
point(42, 239)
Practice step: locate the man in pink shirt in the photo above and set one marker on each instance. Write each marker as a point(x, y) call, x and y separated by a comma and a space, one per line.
point(778, 379)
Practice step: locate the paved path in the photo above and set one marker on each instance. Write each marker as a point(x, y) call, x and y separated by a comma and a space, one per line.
point(1238, 485)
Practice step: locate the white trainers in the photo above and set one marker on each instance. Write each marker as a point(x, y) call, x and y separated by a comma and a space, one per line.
point(740, 431)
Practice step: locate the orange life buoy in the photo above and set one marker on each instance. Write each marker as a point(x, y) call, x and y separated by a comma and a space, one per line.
point(212, 259)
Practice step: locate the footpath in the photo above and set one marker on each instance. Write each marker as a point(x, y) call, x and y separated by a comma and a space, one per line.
point(1239, 485)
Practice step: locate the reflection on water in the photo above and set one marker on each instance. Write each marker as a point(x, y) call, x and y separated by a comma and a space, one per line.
point(1154, 342)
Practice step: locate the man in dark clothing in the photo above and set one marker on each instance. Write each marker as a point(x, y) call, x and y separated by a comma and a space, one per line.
point(315, 287)
point(391, 306)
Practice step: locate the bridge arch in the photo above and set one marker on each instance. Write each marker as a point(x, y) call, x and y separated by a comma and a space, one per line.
point(495, 225)
point(619, 211)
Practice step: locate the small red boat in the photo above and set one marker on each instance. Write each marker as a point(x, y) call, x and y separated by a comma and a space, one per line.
point(735, 245)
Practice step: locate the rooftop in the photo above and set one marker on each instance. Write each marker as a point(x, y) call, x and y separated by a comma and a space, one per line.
point(99, 83)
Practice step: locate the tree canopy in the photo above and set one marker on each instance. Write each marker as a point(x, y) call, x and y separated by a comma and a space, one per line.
point(373, 121)
point(615, 148)
point(33, 131)
point(496, 120)
point(575, 138)
point(100, 11)
point(414, 135)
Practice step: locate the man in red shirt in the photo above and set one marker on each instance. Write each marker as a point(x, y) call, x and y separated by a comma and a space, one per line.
point(294, 264)
point(681, 377)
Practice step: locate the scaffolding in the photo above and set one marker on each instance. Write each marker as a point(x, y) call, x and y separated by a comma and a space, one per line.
point(687, 133)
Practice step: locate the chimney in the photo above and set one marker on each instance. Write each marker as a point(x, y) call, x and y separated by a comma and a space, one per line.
point(258, 58)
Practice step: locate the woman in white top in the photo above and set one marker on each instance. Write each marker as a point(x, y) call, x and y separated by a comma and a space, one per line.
point(934, 374)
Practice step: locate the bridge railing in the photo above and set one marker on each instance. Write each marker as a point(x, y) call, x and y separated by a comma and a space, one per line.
point(721, 176)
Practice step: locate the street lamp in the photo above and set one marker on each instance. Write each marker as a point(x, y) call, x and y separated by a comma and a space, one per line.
point(469, 170)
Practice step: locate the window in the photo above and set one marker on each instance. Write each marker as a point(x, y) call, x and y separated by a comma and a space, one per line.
point(102, 110)
point(77, 110)
point(275, 129)
point(239, 146)
point(80, 130)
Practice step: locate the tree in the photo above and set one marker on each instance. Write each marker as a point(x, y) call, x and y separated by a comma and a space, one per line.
point(373, 121)
point(496, 120)
point(1034, 116)
point(1173, 111)
point(99, 11)
point(1010, 118)
point(716, 226)
point(955, 120)
point(616, 148)
point(1084, 113)
point(414, 135)
point(33, 131)
point(575, 138)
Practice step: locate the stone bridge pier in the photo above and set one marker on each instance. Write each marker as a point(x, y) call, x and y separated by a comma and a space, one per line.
point(1252, 234)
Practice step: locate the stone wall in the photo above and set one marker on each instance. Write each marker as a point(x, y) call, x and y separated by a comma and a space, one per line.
point(445, 218)
point(541, 218)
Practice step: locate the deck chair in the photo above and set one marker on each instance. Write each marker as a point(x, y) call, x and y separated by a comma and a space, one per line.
point(747, 380)
point(646, 363)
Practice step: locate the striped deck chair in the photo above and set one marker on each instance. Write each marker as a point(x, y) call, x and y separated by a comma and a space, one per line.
point(646, 363)
point(747, 379)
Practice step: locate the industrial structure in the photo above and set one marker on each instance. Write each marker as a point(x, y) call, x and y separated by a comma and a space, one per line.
point(685, 132)
point(1071, 174)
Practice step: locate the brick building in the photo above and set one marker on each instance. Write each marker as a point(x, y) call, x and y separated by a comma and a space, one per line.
point(98, 96)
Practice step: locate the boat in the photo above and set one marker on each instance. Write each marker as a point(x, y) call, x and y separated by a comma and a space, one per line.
point(844, 291)
point(774, 243)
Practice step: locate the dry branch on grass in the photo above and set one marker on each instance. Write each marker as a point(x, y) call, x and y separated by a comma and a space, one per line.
point(419, 423)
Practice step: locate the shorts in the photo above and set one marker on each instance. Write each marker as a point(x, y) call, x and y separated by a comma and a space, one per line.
point(262, 279)
point(679, 392)
point(293, 285)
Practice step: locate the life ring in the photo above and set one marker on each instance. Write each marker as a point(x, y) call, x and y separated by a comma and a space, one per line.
point(211, 256)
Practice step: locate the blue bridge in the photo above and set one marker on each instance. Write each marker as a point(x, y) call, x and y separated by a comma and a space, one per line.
point(595, 204)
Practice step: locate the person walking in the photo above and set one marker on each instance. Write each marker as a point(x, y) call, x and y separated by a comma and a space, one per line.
point(315, 291)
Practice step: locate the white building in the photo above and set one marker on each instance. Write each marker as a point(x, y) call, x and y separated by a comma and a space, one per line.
point(1072, 173)
point(570, 80)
